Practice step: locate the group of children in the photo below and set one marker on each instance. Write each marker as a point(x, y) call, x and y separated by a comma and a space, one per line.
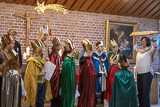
point(101, 79)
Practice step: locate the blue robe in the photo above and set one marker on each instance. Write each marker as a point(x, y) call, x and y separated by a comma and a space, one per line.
point(100, 63)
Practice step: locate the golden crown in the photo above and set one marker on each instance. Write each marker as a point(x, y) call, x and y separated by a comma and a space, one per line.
point(100, 43)
point(113, 43)
point(10, 54)
point(36, 45)
point(6, 39)
point(55, 41)
point(115, 56)
point(87, 45)
point(125, 64)
point(124, 61)
point(68, 45)
point(12, 31)
point(44, 29)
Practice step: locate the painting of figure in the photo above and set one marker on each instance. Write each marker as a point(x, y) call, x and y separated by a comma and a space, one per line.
point(120, 32)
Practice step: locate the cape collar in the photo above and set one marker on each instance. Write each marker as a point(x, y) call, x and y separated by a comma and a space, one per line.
point(124, 68)
point(99, 54)
point(36, 62)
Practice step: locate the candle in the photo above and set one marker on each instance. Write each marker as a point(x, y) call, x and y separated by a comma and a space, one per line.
point(27, 50)
point(134, 72)
point(60, 52)
point(24, 56)
point(0, 39)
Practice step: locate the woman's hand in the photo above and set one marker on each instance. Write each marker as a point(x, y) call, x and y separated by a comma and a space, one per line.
point(154, 42)
point(151, 36)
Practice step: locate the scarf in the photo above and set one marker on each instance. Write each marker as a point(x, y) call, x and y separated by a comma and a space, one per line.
point(154, 56)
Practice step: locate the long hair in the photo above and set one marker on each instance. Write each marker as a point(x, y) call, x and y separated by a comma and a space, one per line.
point(54, 48)
point(37, 51)
point(1, 47)
point(5, 45)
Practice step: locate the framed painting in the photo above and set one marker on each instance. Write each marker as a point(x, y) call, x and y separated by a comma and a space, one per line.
point(120, 31)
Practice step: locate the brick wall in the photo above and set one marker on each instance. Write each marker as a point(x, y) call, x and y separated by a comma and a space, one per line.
point(76, 25)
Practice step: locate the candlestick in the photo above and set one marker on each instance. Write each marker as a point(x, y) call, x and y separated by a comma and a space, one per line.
point(27, 50)
point(24, 56)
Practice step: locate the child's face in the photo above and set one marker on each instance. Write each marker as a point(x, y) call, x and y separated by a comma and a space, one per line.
point(115, 48)
point(11, 45)
point(100, 48)
point(42, 50)
point(58, 47)
point(43, 37)
point(111, 61)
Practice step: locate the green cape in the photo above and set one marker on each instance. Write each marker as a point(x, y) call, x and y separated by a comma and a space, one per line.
point(124, 89)
point(68, 82)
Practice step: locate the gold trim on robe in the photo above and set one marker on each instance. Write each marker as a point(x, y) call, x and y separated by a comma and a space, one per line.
point(102, 81)
point(102, 64)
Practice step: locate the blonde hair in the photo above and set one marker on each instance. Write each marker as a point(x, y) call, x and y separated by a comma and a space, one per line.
point(37, 51)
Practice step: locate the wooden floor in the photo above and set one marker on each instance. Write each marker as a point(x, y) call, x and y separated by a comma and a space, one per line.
point(47, 104)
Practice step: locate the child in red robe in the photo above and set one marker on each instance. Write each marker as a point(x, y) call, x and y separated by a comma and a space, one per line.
point(55, 79)
point(110, 78)
point(87, 77)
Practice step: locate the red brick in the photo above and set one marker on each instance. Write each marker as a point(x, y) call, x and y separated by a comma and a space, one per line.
point(76, 25)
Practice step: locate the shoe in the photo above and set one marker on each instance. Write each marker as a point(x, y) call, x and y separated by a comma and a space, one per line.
point(100, 104)
point(106, 104)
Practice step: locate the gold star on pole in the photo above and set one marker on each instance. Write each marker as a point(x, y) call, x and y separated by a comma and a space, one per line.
point(40, 8)
point(56, 7)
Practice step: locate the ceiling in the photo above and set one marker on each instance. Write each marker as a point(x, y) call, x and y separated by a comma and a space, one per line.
point(138, 8)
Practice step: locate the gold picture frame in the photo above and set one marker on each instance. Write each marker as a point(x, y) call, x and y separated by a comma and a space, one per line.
point(120, 31)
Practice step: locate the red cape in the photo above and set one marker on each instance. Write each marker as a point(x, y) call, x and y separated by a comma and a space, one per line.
point(109, 82)
point(77, 78)
point(87, 84)
point(55, 79)
point(63, 56)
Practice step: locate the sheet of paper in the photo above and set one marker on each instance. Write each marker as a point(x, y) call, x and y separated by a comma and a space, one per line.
point(77, 94)
point(50, 68)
